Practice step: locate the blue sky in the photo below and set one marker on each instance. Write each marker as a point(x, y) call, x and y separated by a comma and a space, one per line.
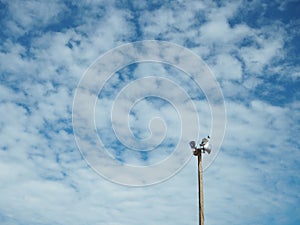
point(251, 47)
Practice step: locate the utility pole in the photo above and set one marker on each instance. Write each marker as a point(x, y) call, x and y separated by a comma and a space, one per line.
point(200, 189)
point(204, 147)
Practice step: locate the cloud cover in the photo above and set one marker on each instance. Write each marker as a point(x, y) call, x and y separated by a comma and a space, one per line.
point(252, 49)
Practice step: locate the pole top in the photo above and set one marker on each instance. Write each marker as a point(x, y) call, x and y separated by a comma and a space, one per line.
point(203, 147)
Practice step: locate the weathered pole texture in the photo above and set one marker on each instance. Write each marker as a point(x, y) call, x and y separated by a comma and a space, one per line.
point(200, 185)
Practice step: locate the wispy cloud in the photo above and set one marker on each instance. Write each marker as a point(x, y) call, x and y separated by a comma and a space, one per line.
point(251, 47)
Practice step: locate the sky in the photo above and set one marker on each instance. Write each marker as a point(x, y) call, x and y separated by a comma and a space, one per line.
point(95, 119)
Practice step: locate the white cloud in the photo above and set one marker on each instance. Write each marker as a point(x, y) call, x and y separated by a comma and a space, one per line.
point(25, 16)
point(228, 68)
point(43, 179)
point(256, 58)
